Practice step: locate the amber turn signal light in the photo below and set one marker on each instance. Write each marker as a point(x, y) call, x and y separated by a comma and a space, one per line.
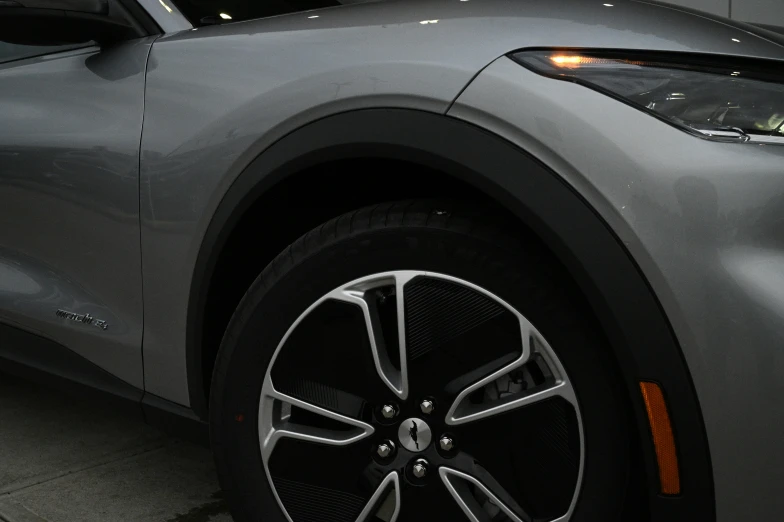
point(663, 438)
point(576, 61)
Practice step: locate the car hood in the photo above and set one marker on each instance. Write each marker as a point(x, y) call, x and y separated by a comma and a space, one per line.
point(462, 29)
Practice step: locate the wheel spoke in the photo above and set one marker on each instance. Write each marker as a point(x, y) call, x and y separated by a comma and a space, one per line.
point(544, 380)
point(384, 505)
point(401, 279)
point(326, 483)
point(430, 503)
point(464, 488)
point(531, 454)
point(394, 376)
point(325, 360)
point(452, 330)
point(276, 421)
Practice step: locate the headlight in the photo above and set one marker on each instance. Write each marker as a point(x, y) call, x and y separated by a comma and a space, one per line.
point(701, 95)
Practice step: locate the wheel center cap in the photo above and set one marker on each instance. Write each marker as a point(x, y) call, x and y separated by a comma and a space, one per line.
point(414, 435)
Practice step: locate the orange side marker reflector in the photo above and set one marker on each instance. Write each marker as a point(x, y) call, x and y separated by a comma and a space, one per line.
point(663, 439)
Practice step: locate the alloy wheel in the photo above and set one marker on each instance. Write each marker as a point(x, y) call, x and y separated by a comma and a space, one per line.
point(407, 393)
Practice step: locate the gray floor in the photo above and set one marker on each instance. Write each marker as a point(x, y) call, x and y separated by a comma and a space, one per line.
point(69, 460)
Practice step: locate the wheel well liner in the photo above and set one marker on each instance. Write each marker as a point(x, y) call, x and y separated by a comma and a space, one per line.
point(630, 314)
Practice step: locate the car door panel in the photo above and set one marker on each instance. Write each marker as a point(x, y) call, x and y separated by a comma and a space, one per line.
point(70, 261)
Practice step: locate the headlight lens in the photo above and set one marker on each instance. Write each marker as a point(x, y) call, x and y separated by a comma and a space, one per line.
point(740, 103)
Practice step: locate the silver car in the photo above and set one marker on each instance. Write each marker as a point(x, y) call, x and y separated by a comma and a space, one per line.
point(484, 260)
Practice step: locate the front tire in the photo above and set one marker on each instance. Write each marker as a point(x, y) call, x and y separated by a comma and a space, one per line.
point(399, 304)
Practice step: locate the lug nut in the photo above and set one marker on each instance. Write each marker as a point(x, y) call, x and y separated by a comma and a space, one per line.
point(389, 411)
point(446, 443)
point(384, 449)
point(420, 468)
point(427, 407)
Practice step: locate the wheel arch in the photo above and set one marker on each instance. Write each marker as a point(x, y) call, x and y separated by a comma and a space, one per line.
point(466, 160)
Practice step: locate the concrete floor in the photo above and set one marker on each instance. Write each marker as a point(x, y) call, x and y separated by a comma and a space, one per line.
point(70, 460)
